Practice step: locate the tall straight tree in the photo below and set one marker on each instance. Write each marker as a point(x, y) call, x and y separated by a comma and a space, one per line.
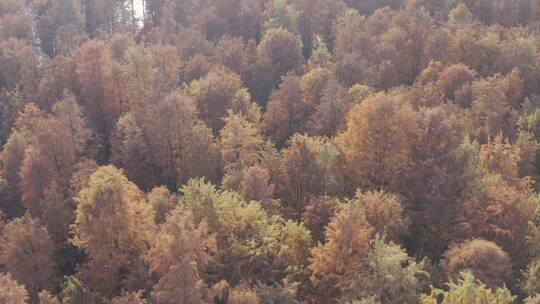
point(113, 227)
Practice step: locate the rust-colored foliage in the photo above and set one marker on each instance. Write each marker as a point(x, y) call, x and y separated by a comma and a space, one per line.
point(378, 140)
point(11, 291)
point(499, 213)
point(28, 254)
point(94, 68)
point(282, 151)
point(335, 262)
point(113, 226)
point(486, 261)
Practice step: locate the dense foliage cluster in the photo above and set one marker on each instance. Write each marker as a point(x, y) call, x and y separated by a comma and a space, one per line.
point(269, 151)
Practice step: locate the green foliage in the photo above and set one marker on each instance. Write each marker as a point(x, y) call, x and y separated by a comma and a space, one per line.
point(74, 292)
point(468, 152)
point(531, 283)
point(533, 238)
point(252, 245)
point(532, 300)
point(69, 12)
point(468, 290)
point(390, 276)
point(282, 14)
point(320, 55)
point(530, 122)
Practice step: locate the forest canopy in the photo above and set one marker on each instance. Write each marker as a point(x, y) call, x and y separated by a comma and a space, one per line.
point(269, 151)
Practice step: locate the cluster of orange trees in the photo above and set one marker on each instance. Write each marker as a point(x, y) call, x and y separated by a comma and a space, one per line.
point(269, 151)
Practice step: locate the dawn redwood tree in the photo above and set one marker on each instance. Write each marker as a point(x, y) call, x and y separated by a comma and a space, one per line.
point(71, 117)
point(231, 53)
point(318, 214)
point(390, 275)
point(484, 259)
point(28, 254)
point(497, 212)
point(179, 240)
point(241, 143)
point(113, 227)
point(334, 263)
point(180, 252)
point(130, 298)
point(46, 297)
point(309, 168)
point(163, 201)
point(139, 74)
point(378, 140)
point(454, 79)
point(492, 110)
point(181, 283)
point(13, 155)
point(468, 289)
point(256, 185)
point(236, 225)
point(185, 148)
point(329, 115)
point(57, 143)
point(286, 113)
point(385, 213)
point(282, 49)
point(11, 291)
point(214, 95)
point(499, 156)
point(98, 93)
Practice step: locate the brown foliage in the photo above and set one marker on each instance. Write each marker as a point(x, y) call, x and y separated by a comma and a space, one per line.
point(213, 94)
point(130, 298)
point(309, 167)
point(500, 157)
point(385, 214)
point(282, 49)
point(453, 78)
point(378, 140)
point(184, 149)
point(113, 226)
point(318, 214)
point(498, 213)
point(95, 77)
point(163, 201)
point(286, 113)
point(492, 111)
point(347, 239)
point(46, 297)
point(428, 110)
point(180, 284)
point(256, 186)
point(12, 292)
point(487, 262)
point(28, 253)
point(179, 240)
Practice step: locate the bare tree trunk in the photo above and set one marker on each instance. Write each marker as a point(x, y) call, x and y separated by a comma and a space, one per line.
point(143, 6)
